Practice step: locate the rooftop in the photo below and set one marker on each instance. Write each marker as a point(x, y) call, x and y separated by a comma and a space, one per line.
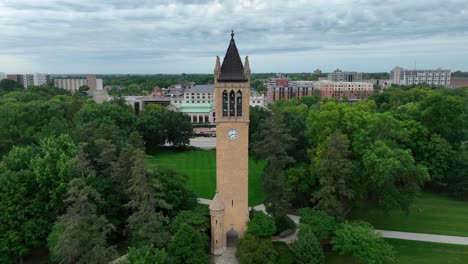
point(232, 68)
point(206, 88)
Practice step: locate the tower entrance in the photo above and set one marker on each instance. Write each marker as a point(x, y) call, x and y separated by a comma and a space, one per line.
point(231, 238)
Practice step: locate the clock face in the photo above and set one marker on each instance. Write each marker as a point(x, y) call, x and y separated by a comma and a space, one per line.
point(232, 134)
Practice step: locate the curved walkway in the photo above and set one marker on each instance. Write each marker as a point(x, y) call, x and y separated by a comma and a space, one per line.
point(385, 233)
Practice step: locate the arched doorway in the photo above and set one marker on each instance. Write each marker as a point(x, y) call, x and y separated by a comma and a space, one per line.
point(231, 238)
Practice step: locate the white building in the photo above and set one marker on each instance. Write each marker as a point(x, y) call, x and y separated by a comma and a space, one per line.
point(28, 80)
point(432, 77)
point(257, 99)
point(2, 76)
point(201, 94)
point(40, 79)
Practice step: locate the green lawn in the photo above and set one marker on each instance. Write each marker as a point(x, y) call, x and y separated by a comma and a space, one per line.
point(200, 167)
point(430, 213)
point(415, 252)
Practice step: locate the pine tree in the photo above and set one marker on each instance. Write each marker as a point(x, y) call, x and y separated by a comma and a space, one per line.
point(80, 235)
point(146, 222)
point(333, 168)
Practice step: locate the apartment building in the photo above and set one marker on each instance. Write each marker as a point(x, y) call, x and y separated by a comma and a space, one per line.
point(284, 88)
point(2, 76)
point(403, 76)
point(344, 76)
point(73, 85)
point(353, 91)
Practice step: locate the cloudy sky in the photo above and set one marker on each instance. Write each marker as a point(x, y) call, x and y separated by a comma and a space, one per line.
point(184, 36)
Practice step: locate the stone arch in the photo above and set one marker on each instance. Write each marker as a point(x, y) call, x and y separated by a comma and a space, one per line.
point(239, 103)
point(231, 238)
point(194, 119)
point(232, 103)
point(207, 119)
point(225, 103)
point(200, 119)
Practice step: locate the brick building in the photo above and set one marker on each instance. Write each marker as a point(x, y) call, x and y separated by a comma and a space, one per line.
point(284, 88)
point(354, 91)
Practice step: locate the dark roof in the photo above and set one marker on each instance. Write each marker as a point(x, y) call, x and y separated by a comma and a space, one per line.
point(205, 88)
point(232, 68)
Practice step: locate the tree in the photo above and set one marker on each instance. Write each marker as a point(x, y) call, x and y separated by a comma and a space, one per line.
point(333, 168)
point(251, 250)
point(24, 221)
point(144, 255)
point(261, 225)
point(188, 246)
point(300, 185)
point(80, 235)
point(271, 143)
point(198, 219)
point(178, 128)
point(392, 176)
point(307, 248)
point(8, 85)
point(317, 221)
point(159, 126)
point(359, 240)
point(146, 222)
point(257, 117)
point(51, 168)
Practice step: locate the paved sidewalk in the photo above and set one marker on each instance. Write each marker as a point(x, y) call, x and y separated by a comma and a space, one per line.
point(424, 237)
point(385, 233)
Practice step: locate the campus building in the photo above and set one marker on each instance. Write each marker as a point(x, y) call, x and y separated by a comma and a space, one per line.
point(402, 76)
point(343, 76)
point(73, 85)
point(353, 91)
point(284, 88)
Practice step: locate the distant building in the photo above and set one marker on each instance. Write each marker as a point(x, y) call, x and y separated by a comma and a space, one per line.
point(317, 72)
point(16, 77)
point(176, 90)
point(256, 99)
point(342, 76)
point(458, 82)
point(28, 80)
point(402, 76)
point(2, 76)
point(201, 94)
point(383, 83)
point(41, 79)
point(158, 91)
point(73, 85)
point(353, 91)
point(284, 88)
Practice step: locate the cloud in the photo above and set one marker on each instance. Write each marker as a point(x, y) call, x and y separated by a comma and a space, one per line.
point(68, 36)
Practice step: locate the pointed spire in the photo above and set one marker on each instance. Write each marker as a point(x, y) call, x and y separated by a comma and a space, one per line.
point(247, 67)
point(217, 69)
point(232, 68)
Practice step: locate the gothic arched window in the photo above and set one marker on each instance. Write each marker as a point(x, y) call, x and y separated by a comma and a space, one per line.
point(232, 102)
point(239, 103)
point(225, 103)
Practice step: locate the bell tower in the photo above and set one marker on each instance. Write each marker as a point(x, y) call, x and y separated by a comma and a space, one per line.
point(229, 209)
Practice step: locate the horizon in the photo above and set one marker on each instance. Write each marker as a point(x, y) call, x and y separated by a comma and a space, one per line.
point(185, 36)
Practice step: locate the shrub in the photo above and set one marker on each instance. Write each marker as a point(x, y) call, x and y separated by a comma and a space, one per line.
point(321, 223)
point(251, 249)
point(285, 254)
point(358, 239)
point(307, 248)
point(145, 255)
point(283, 222)
point(261, 225)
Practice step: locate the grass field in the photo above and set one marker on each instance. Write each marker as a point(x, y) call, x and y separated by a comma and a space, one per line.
point(415, 252)
point(200, 167)
point(430, 213)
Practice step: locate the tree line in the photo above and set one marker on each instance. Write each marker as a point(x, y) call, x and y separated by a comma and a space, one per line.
point(73, 178)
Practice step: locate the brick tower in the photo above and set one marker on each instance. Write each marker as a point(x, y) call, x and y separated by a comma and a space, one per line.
point(229, 209)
